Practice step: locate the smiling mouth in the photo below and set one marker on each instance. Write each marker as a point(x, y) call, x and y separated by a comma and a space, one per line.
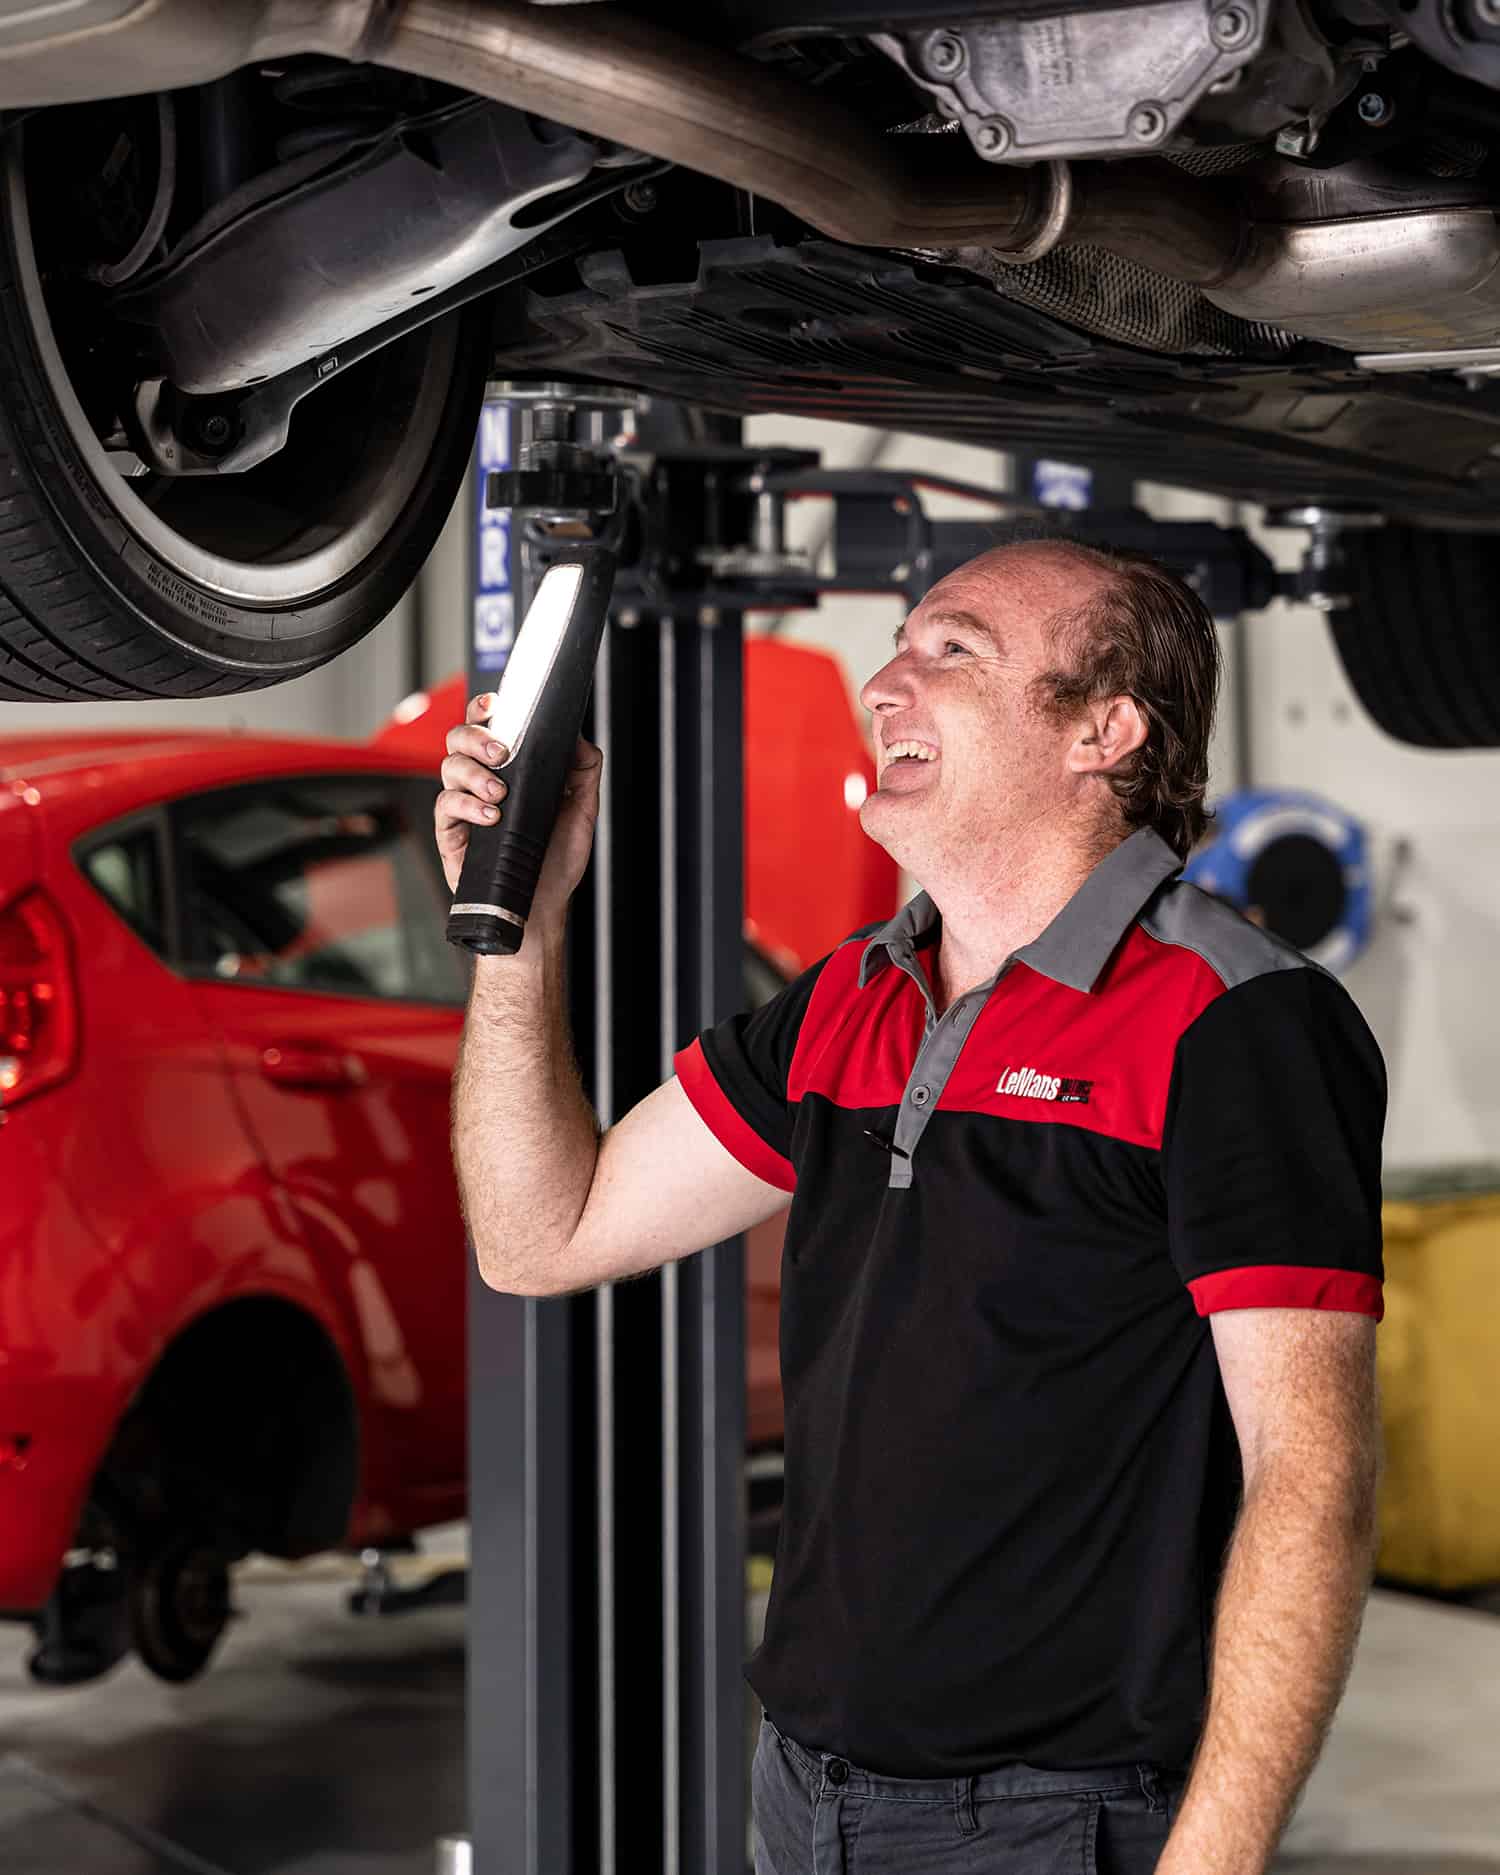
point(903, 764)
point(909, 752)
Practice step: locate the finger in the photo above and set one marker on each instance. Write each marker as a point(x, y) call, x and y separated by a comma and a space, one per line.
point(584, 783)
point(480, 707)
point(460, 772)
point(455, 807)
point(466, 739)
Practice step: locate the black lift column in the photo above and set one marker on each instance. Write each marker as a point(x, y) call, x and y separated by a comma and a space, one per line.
point(606, 1615)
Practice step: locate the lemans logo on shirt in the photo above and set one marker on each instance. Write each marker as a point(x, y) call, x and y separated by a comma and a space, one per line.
point(1029, 1084)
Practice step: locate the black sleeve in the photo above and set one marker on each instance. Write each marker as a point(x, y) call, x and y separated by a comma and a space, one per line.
point(1271, 1149)
point(735, 1074)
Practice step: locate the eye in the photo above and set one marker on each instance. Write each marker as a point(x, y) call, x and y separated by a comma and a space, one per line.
point(954, 645)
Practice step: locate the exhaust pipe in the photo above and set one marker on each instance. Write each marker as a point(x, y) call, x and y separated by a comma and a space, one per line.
point(622, 79)
point(1424, 279)
point(626, 80)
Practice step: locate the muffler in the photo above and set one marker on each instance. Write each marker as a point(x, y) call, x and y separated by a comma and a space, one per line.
point(1425, 281)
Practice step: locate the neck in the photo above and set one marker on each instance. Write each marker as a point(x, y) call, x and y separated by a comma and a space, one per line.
point(992, 910)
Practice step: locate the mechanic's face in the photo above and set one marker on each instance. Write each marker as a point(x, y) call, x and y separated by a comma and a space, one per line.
point(964, 759)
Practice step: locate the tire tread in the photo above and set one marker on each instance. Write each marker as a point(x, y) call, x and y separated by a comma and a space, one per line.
point(69, 631)
point(1420, 639)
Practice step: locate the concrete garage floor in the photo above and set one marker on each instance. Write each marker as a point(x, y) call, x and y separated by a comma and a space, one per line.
point(323, 1745)
point(316, 1744)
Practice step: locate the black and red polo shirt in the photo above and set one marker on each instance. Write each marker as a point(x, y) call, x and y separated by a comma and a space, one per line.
point(1010, 1469)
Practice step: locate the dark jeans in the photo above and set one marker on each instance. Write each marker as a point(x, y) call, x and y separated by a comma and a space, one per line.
point(815, 1814)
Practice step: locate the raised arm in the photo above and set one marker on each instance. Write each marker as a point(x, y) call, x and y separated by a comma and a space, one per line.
point(549, 1206)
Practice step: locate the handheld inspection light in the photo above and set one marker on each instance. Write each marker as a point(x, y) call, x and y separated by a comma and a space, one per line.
point(537, 715)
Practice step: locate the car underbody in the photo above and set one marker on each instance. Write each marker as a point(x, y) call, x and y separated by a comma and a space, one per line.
point(1246, 245)
point(1180, 229)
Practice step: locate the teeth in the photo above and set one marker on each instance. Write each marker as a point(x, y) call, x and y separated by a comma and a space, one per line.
point(919, 749)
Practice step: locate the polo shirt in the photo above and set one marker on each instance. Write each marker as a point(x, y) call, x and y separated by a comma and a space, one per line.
point(1011, 1473)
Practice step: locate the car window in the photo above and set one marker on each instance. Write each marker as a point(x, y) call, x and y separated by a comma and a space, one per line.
point(126, 868)
point(318, 884)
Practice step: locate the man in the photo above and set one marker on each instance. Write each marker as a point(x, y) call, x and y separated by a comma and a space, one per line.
point(1081, 1274)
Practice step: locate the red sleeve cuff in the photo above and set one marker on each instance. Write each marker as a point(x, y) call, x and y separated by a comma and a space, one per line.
point(723, 1120)
point(1288, 1286)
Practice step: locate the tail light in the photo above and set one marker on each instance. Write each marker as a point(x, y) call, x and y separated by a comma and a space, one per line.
point(38, 1009)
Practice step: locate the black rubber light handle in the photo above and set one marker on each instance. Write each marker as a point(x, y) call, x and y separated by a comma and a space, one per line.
point(537, 715)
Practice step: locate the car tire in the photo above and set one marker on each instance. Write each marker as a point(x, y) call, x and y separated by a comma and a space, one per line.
point(179, 1606)
point(1420, 638)
point(126, 586)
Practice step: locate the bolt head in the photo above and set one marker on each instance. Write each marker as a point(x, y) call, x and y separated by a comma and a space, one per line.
point(1231, 26)
point(993, 137)
point(945, 55)
point(1487, 12)
point(1148, 123)
point(641, 197)
point(1373, 109)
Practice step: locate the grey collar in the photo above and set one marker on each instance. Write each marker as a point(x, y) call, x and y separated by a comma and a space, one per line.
point(1078, 943)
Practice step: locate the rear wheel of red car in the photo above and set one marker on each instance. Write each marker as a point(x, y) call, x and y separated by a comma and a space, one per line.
point(119, 583)
point(244, 1436)
point(179, 1607)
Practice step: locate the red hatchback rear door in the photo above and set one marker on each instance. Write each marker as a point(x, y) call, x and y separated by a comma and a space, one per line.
point(313, 935)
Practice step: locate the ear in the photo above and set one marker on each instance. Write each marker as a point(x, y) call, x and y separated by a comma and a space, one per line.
point(1112, 729)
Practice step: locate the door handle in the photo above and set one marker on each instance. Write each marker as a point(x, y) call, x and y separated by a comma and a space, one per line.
point(300, 1064)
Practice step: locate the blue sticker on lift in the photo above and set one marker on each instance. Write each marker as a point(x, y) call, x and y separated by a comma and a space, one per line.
point(494, 624)
point(1061, 484)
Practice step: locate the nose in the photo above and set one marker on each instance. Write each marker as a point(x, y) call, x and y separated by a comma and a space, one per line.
point(889, 689)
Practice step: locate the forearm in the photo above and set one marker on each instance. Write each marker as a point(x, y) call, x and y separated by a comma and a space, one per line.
point(525, 1139)
point(1287, 1620)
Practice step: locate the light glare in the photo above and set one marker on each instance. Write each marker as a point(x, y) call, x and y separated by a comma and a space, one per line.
point(533, 654)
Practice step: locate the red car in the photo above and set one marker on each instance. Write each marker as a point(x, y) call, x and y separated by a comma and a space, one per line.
point(232, 1267)
point(231, 1261)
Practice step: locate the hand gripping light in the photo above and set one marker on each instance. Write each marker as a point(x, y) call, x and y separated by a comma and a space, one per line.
point(537, 716)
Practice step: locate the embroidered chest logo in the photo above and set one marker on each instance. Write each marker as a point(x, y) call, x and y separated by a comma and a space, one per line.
point(1028, 1084)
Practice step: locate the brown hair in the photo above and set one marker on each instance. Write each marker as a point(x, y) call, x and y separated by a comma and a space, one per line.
point(1146, 635)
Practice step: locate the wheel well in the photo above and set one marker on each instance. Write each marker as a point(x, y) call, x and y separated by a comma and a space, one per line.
point(249, 1423)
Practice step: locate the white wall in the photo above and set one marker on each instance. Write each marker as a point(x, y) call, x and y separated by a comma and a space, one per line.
point(1427, 983)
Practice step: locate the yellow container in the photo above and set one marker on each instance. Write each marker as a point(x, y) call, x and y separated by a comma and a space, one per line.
point(1439, 1360)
